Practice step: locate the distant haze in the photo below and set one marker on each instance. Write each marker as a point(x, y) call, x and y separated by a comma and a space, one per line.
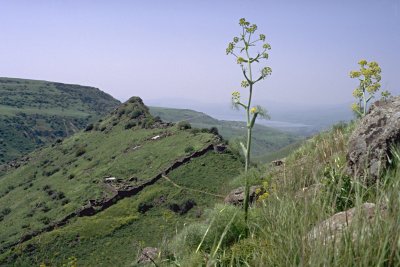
point(176, 49)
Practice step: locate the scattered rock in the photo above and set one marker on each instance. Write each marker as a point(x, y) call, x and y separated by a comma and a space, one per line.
point(148, 255)
point(156, 137)
point(109, 179)
point(332, 228)
point(278, 162)
point(219, 148)
point(159, 200)
point(15, 164)
point(236, 196)
point(369, 145)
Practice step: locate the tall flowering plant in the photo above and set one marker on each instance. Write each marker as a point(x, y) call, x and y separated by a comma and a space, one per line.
point(250, 50)
point(369, 77)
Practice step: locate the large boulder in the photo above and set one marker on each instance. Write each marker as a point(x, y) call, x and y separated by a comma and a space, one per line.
point(332, 228)
point(369, 145)
point(236, 196)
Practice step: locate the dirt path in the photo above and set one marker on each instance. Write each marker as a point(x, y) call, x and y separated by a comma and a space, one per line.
point(190, 189)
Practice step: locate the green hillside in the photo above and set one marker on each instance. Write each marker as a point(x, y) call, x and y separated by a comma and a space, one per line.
point(33, 113)
point(310, 214)
point(128, 180)
point(266, 140)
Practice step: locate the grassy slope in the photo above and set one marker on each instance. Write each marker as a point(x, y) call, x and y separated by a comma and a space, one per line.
point(280, 223)
point(112, 237)
point(108, 150)
point(266, 140)
point(33, 113)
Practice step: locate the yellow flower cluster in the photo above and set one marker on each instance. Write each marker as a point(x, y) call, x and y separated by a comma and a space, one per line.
point(357, 93)
point(355, 107)
point(236, 96)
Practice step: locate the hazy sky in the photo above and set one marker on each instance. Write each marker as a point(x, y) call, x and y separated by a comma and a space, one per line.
point(176, 49)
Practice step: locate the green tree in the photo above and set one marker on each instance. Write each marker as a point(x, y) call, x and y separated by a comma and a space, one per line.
point(242, 48)
point(369, 77)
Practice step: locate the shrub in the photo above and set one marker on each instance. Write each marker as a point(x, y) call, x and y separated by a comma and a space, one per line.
point(136, 113)
point(130, 124)
point(157, 119)
point(89, 127)
point(225, 226)
point(65, 201)
point(214, 130)
point(144, 207)
point(195, 130)
point(184, 125)
point(189, 149)
point(148, 123)
point(45, 220)
point(5, 211)
point(80, 151)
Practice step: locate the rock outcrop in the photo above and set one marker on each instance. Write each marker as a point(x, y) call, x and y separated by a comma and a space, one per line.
point(369, 145)
point(236, 196)
point(332, 228)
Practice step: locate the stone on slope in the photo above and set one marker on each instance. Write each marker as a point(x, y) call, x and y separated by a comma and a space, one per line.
point(148, 255)
point(332, 228)
point(236, 196)
point(369, 145)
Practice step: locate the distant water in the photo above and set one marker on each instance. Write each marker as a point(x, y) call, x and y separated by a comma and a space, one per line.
point(270, 123)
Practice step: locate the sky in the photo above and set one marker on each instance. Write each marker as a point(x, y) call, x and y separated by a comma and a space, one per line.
point(174, 50)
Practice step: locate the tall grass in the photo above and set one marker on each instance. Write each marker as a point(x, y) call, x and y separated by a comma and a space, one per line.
point(279, 225)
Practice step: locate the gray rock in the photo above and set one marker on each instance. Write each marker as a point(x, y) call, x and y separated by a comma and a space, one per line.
point(332, 228)
point(148, 254)
point(369, 145)
point(220, 148)
point(278, 162)
point(236, 196)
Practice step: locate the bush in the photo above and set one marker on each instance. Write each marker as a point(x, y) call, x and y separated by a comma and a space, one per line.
point(89, 127)
point(189, 149)
point(80, 151)
point(148, 123)
point(144, 207)
point(130, 124)
point(195, 130)
point(214, 130)
point(225, 224)
point(184, 125)
point(5, 211)
point(45, 220)
point(136, 113)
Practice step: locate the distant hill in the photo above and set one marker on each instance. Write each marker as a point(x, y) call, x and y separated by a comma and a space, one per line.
point(126, 181)
point(301, 119)
point(33, 113)
point(266, 140)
